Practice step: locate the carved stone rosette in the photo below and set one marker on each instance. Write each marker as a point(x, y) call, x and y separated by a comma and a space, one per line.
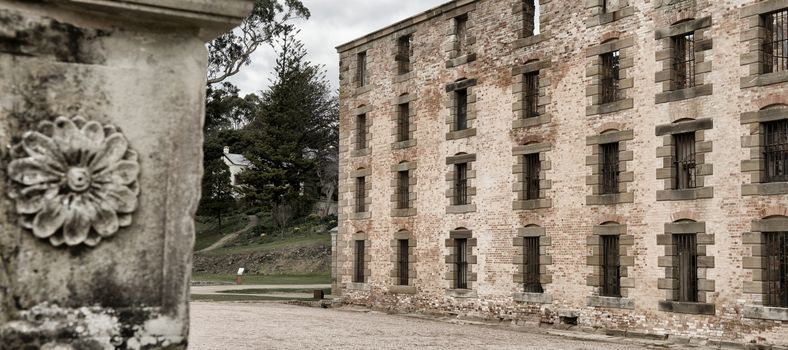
point(74, 182)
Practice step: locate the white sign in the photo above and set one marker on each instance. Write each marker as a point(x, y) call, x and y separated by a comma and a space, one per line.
point(241, 271)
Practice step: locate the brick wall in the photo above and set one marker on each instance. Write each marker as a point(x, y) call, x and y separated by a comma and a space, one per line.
point(732, 204)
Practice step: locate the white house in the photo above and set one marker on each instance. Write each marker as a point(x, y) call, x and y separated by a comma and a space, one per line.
point(236, 162)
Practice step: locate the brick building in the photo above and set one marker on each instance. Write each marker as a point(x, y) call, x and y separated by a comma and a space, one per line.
point(615, 164)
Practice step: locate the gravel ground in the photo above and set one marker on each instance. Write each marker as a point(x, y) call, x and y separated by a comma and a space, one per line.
point(240, 326)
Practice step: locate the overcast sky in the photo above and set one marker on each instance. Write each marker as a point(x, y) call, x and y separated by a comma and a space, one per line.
point(333, 22)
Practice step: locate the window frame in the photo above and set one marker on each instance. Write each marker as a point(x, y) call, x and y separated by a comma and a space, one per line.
point(405, 54)
point(461, 105)
point(775, 151)
point(684, 161)
point(531, 94)
point(361, 194)
point(359, 275)
point(775, 47)
point(532, 169)
point(403, 263)
point(403, 122)
point(686, 270)
point(532, 265)
point(611, 266)
point(460, 184)
point(683, 61)
point(361, 69)
point(461, 33)
point(461, 263)
point(361, 132)
point(403, 189)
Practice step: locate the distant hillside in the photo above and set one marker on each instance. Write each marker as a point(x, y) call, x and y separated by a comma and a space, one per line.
point(302, 249)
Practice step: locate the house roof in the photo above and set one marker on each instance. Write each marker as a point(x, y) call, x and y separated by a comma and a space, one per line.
point(238, 159)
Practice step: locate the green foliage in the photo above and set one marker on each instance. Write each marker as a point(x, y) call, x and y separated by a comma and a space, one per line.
point(217, 191)
point(232, 51)
point(209, 231)
point(293, 133)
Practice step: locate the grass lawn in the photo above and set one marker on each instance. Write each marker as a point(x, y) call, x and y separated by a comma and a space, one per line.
point(265, 279)
point(308, 240)
point(210, 232)
point(215, 297)
point(273, 291)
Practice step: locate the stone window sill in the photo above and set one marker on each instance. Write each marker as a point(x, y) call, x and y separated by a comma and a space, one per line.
point(610, 107)
point(403, 144)
point(766, 313)
point(611, 302)
point(685, 94)
point(531, 40)
point(765, 189)
point(687, 308)
point(462, 293)
point(531, 122)
point(362, 90)
point(455, 62)
point(402, 290)
point(461, 209)
point(461, 134)
point(610, 199)
point(539, 298)
point(360, 152)
point(360, 216)
point(686, 195)
point(404, 77)
point(404, 212)
point(356, 286)
point(764, 79)
point(532, 204)
point(610, 17)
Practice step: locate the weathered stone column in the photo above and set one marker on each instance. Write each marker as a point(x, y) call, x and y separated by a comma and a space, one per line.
point(101, 112)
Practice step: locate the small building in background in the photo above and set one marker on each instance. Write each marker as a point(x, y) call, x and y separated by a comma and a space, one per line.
point(237, 163)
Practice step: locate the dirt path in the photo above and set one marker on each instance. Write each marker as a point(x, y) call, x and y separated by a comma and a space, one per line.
point(214, 290)
point(242, 326)
point(229, 237)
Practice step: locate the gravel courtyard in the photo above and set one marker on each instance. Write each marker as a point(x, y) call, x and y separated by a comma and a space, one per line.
point(240, 326)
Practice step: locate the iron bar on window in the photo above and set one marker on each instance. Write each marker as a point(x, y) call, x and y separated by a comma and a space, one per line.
point(461, 97)
point(532, 169)
point(531, 282)
point(684, 161)
point(776, 151)
point(359, 273)
point(684, 61)
point(461, 184)
point(405, 51)
point(361, 194)
point(775, 42)
point(404, 122)
point(461, 253)
point(687, 270)
point(531, 94)
point(361, 131)
point(611, 267)
point(776, 244)
point(610, 168)
point(361, 69)
point(403, 197)
point(610, 77)
point(402, 262)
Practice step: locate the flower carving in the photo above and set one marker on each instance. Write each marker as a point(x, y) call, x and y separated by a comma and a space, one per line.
point(74, 182)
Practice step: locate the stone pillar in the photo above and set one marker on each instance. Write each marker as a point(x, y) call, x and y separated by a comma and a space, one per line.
point(101, 113)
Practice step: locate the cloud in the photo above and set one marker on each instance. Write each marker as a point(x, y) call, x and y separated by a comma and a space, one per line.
point(332, 23)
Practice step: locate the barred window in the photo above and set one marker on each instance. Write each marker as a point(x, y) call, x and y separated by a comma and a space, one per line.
point(403, 190)
point(531, 282)
point(532, 168)
point(361, 69)
point(361, 194)
point(402, 261)
point(776, 244)
point(404, 53)
point(461, 32)
point(611, 267)
point(684, 161)
point(687, 269)
point(461, 184)
point(776, 151)
point(775, 42)
point(531, 83)
point(403, 129)
point(461, 99)
point(610, 170)
point(358, 276)
point(461, 264)
point(684, 61)
point(361, 131)
point(610, 77)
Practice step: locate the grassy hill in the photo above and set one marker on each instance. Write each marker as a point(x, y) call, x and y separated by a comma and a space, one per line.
point(298, 254)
